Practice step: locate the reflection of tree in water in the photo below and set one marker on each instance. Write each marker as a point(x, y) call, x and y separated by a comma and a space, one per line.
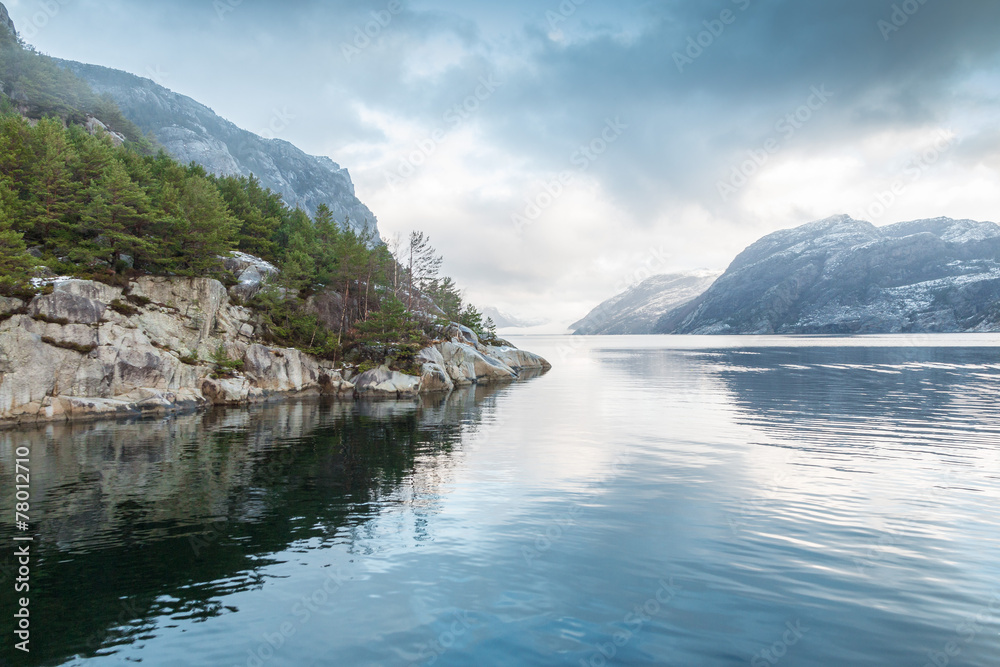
point(859, 396)
point(164, 516)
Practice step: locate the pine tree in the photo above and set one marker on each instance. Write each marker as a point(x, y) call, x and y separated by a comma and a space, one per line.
point(118, 218)
point(16, 153)
point(473, 319)
point(53, 185)
point(352, 256)
point(205, 230)
point(258, 221)
point(490, 329)
point(15, 262)
point(448, 298)
point(298, 268)
point(388, 327)
point(327, 242)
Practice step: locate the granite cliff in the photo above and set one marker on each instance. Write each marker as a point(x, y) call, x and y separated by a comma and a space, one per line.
point(87, 349)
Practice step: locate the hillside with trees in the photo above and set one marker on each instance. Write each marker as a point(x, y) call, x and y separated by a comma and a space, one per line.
point(98, 201)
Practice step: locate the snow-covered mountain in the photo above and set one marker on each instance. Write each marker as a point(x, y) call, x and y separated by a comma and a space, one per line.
point(639, 308)
point(845, 276)
point(505, 320)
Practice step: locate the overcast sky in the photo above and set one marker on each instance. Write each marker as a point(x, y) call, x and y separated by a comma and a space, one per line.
point(555, 152)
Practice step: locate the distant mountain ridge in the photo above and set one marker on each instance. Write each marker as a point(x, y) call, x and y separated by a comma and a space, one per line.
point(845, 276)
point(191, 132)
point(638, 309)
point(504, 320)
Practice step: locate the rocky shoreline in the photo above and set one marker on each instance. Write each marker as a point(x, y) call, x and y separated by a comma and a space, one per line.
point(90, 350)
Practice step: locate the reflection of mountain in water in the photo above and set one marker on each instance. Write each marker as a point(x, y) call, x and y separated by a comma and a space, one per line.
point(859, 397)
point(162, 517)
point(837, 397)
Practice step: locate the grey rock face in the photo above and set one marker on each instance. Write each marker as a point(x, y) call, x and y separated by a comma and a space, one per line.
point(638, 309)
point(251, 272)
point(72, 356)
point(68, 355)
point(6, 23)
point(384, 383)
point(845, 276)
point(191, 132)
point(99, 129)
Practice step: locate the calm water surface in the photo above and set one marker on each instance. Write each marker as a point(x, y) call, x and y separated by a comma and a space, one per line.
point(650, 501)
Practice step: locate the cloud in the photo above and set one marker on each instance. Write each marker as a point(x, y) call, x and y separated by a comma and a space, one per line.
point(702, 88)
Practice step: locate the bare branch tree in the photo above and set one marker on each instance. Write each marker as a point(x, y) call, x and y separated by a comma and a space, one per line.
point(424, 264)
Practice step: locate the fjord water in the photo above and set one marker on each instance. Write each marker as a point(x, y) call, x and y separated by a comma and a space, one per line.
point(650, 501)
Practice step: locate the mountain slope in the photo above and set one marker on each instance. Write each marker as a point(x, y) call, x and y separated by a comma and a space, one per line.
point(504, 320)
point(637, 310)
point(191, 132)
point(845, 276)
point(7, 29)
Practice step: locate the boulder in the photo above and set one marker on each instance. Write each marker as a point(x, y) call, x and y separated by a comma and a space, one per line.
point(239, 262)
point(467, 365)
point(228, 391)
point(332, 383)
point(284, 370)
point(435, 377)
point(76, 301)
point(460, 333)
point(516, 359)
point(328, 307)
point(250, 283)
point(10, 305)
point(384, 383)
